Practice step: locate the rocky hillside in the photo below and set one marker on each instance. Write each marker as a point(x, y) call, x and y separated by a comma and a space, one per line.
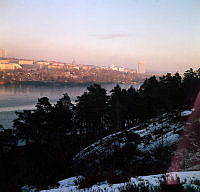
point(166, 148)
point(141, 150)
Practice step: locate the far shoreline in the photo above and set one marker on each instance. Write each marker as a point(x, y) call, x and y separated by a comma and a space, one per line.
point(56, 83)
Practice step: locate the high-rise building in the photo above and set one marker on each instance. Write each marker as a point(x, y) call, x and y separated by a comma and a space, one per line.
point(3, 53)
point(141, 67)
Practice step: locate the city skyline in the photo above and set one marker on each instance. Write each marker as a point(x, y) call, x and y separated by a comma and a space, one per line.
point(163, 34)
point(25, 61)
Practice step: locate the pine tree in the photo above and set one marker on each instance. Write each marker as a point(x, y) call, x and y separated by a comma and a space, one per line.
point(91, 109)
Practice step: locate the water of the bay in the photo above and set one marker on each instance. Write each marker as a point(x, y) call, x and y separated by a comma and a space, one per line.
point(23, 97)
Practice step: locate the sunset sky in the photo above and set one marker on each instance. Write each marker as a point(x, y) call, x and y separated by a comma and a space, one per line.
point(164, 34)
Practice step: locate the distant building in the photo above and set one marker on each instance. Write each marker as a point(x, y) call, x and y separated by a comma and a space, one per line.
point(105, 67)
point(42, 62)
point(25, 62)
point(73, 66)
point(122, 69)
point(9, 66)
point(141, 68)
point(76, 67)
point(114, 67)
point(3, 53)
point(5, 61)
point(56, 66)
point(84, 67)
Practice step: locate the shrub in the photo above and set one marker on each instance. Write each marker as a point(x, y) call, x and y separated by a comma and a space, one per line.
point(83, 182)
point(196, 182)
point(129, 187)
point(191, 188)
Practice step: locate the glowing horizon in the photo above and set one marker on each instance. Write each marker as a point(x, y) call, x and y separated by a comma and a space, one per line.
point(163, 34)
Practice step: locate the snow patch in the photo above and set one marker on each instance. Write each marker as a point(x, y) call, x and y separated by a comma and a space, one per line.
point(186, 113)
point(152, 182)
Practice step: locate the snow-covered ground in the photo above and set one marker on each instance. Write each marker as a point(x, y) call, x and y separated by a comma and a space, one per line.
point(186, 113)
point(152, 182)
point(156, 132)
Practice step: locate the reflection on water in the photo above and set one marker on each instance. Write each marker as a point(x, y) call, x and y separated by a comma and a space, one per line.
point(20, 97)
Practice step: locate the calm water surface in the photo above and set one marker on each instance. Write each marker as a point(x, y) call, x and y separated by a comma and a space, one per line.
point(20, 97)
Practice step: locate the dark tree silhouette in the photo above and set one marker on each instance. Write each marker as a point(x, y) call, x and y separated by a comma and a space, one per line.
point(45, 124)
point(191, 85)
point(118, 110)
point(92, 110)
